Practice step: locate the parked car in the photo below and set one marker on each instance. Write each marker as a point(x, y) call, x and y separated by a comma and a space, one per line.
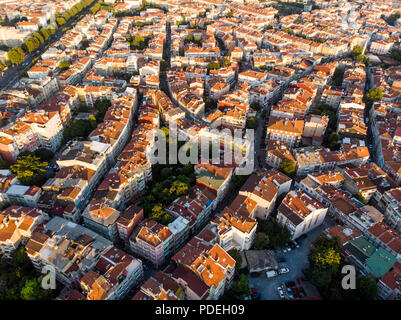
point(303, 237)
point(296, 244)
point(255, 294)
point(281, 260)
point(284, 250)
point(295, 291)
point(284, 270)
point(271, 273)
point(299, 280)
point(280, 292)
point(290, 284)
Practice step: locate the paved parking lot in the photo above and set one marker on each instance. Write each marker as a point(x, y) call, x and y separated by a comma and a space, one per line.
point(296, 260)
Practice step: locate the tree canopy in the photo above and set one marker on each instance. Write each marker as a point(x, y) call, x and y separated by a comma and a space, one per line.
point(288, 167)
point(16, 55)
point(30, 170)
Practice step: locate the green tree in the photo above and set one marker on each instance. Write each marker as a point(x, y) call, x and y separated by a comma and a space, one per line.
point(30, 170)
point(361, 198)
point(60, 21)
point(338, 76)
point(375, 94)
point(16, 55)
point(32, 290)
point(64, 65)
point(179, 188)
point(213, 65)
point(38, 36)
point(45, 33)
point(44, 154)
point(278, 235)
point(4, 164)
point(165, 173)
point(261, 241)
point(225, 62)
point(366, 288)
point(160, 215)
point(240, 288)
point(236, 255)
point(92, 121)
point(357, 50)
point(288, 167)
point(252, 123)
point(102, 105)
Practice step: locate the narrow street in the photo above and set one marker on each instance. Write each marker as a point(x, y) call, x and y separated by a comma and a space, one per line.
point(12, 74)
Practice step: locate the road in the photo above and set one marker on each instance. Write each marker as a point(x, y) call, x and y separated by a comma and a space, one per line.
point(12, 74)
point(296, 260)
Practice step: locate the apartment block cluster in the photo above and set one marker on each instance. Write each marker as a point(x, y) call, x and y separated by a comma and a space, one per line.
point(31, 16)
point(208, 64)
point(287, 131)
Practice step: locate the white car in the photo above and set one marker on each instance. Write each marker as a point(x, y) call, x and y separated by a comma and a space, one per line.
point(281, 292)
point(284, 270)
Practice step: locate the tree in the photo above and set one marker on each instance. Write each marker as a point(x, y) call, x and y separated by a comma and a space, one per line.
point(230, 14)
point(332, 139)
point(92, 121)
point(64, 65)
point(213, 65)
point(102, 105)
point(16, 55)
point(225, 62)
point(288, 167)
point(361, 198)
point(338, 76)
point(278, 235)
point(178, 188)
point(4, 164)
point(45, 33)
point(139, 43)
point(240, 288)
point(252, 123)
point(84, 43)
point(44, 154)
point(77, 128)
point(239, 180)
point(236, 255)
point(261, 241)
point(60, 21)
point(363, 59)
point(165, 173)
point(38, 36)
point(375, 94)
point(160, 215)
point(366, 288)
point(32, 290)
point(357, 50)
point(30, 170)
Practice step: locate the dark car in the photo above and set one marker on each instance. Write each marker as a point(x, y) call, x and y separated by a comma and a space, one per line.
point(255, 294)
point(295, 291)
point(281, 260)
point(290, 284)
point(303, 237)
